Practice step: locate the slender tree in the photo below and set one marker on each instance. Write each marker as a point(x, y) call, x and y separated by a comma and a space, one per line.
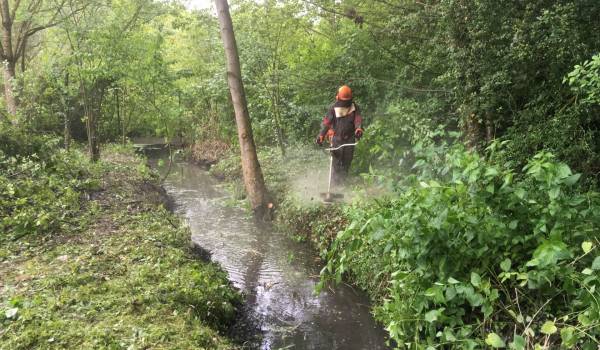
point(253, 178)
point(9, 55)
point(20, 21)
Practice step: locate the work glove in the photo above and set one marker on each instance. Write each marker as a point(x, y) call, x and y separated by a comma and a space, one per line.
point(358, 133)
point(319, 140)
point(330, 134)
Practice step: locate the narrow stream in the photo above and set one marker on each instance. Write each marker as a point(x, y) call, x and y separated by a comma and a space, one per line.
point(277, 274)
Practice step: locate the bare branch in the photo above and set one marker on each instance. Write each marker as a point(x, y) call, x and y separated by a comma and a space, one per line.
point(133, 19)
point(27, 32)
point(15, 8)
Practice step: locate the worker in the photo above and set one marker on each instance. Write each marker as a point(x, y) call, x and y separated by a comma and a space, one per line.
point(342, 125)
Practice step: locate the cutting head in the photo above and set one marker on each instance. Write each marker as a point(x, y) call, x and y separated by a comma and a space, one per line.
point(329, 197)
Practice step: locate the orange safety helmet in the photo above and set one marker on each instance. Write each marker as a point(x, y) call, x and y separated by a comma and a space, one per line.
point(344, 93)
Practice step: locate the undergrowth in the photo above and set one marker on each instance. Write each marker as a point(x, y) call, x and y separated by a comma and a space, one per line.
point(89, 258)
point(40, 188)
point(472, 252)
point(302, 216)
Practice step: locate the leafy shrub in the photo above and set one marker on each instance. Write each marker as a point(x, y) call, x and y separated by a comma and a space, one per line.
point(16, 142)
point(585, 80)
point(569, 129)
point(40, 186)
point(314, 222)
point(389, 135)
point(474, 252)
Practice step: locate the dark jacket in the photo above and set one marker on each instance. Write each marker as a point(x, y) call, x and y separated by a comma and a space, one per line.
point(343, 118)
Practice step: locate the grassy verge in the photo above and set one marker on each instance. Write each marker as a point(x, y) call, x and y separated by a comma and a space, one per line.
point(107, 268)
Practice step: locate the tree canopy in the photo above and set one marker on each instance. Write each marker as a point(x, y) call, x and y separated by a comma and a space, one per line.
point(490, 69)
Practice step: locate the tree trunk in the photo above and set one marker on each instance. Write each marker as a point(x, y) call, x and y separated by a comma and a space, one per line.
point(90, 125)
point(275, 100)
point(278, 126)
point(94, 149)
point(123, 133)
point(126, 114)
point(67, 130)
point(118, 106)
point(9, 94)
point(472, 131)
point(253, 178)
point(276, 95)
point(66, 114)
point(23, 56)
point(489, 127)
point(8, 59)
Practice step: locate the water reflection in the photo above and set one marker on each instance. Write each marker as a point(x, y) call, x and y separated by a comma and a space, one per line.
point(278, 274)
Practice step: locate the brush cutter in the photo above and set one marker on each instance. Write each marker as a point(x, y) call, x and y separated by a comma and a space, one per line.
point(330, 197)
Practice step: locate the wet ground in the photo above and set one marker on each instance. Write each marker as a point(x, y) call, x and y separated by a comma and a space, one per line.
point(277, 274)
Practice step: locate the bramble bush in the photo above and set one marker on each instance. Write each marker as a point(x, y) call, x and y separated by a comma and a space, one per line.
point(472, 252)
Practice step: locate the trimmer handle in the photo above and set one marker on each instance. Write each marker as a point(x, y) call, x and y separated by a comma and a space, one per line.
point(341, 146)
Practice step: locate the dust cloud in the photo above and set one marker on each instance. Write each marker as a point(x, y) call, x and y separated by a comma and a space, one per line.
point(309, 184)
point(310, 178)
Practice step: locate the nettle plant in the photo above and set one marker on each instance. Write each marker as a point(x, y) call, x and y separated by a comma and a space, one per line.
point(473, 253)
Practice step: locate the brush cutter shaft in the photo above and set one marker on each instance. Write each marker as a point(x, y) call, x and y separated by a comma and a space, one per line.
point(330, 174)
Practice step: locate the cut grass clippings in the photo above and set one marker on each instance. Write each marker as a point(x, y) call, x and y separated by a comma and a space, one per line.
point(127, 278)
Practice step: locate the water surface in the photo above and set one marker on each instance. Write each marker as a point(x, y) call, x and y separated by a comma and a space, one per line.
point(277, 274)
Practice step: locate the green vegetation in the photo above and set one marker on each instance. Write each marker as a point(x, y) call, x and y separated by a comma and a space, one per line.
point(492, 70)
point(112, 271)
point(479, 252)
point(476, 216)
point(466, 251)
